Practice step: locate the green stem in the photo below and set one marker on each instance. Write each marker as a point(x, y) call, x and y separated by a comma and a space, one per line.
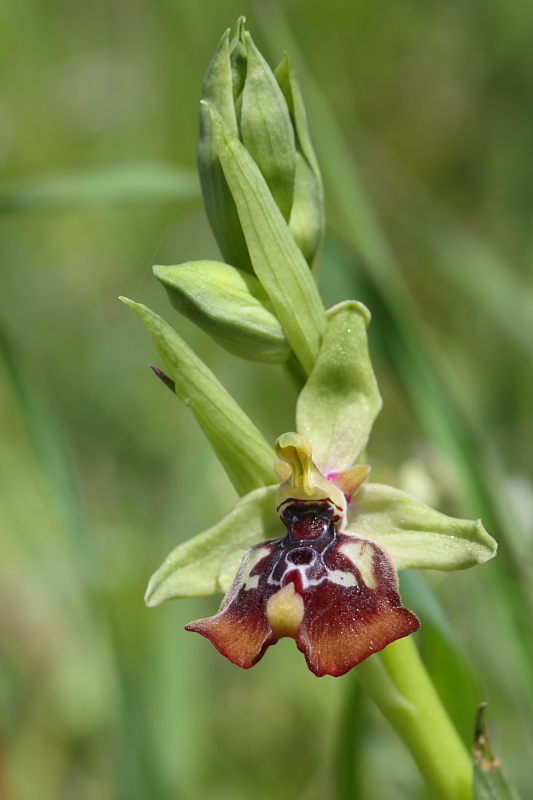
point(399, 684)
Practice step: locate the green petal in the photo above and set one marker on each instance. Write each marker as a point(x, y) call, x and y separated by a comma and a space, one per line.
point(243, 452)
point(266, 128)
point(218, 89)
point(276, 258)
point(307, 221)
point(340, 401)
point(230, 305)
point(208, 563)
point(415, 535)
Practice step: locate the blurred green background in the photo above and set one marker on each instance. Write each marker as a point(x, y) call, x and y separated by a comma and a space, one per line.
point(422, 116)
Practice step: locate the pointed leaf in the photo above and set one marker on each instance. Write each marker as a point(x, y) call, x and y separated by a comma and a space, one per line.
point(340, 401)
point(415, 535)
point(208, 563)
point(277, 261)
point(241, 448)
point(266, 128)
point(228, 304)
point(219, 204)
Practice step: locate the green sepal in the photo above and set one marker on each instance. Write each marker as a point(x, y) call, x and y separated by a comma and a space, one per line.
point(491, 779)
point(276, 258)
point(218, 89)
point(228, 304)
point(415, 535)
point(208, 563)
point(241, 448)
point(307, 221)
point(340, 401)
point(266, 129)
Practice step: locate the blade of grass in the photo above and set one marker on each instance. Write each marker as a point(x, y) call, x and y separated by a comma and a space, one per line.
point(49, 447)
point(101, 187)
point(60, 551)
point(476, 269)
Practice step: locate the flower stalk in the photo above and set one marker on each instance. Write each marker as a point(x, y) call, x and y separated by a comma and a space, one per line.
point(397, 681)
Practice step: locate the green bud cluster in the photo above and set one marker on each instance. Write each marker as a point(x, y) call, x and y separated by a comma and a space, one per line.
point(265, 111)
point(264, 200)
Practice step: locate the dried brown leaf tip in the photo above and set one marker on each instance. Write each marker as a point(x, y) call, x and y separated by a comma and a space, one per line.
point(483, 756)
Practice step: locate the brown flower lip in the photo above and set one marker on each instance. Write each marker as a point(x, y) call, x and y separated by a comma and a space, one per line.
point(334, 593)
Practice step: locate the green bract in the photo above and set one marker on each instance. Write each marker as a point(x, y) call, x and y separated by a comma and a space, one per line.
point(242, 450)
point(277, 260)
point(230, 305)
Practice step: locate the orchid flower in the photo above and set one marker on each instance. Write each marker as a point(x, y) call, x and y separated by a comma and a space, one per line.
point(315, 557)
point(335, 593)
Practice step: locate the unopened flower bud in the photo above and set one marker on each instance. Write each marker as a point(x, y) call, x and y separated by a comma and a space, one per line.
point(228, 304)
point(307, 221)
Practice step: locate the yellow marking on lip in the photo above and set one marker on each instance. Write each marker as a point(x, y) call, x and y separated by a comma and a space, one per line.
point(285, 611)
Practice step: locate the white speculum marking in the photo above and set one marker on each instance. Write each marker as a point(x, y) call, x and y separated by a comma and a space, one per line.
point(337, 576)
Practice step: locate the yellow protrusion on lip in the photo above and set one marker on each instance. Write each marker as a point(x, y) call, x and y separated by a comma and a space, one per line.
point(285, 611)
